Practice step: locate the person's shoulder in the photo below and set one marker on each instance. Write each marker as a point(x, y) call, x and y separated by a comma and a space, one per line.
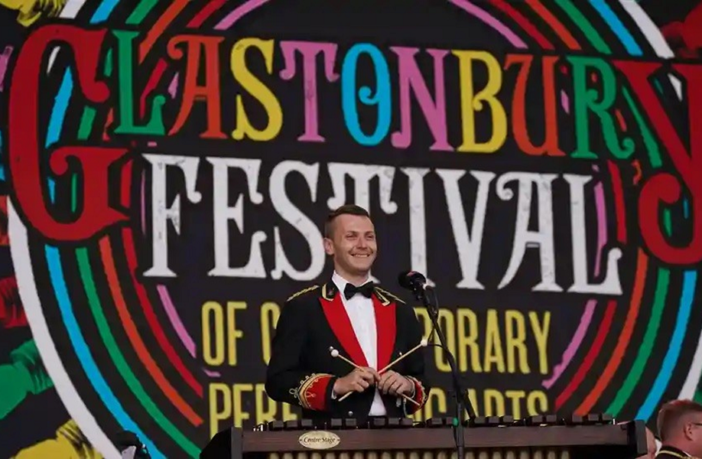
point(667, 452)
point(385, 294)
point(305, 295)
point(404, 309)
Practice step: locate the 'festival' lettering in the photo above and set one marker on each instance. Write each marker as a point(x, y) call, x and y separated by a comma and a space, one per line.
point(298, 220)
point(524, 237)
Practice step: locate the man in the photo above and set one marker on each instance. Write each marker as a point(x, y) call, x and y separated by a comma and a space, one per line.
point(363, 322)
point(680, 429)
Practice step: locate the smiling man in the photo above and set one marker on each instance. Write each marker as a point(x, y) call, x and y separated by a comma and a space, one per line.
point(333, 339)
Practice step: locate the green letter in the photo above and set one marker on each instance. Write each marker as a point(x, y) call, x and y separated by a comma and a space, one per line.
point(125, 78)
point(586, 99)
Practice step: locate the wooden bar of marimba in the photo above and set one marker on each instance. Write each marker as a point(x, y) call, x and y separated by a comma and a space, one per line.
point(537, 437)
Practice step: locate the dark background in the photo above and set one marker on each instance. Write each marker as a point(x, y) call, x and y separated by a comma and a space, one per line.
point(39, 416)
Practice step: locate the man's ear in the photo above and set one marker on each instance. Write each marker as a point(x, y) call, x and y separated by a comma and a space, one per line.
point(328, 246)
point(688, 431)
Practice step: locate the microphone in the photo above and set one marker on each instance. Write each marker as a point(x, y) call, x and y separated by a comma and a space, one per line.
point(412, 280)
point(130, 446)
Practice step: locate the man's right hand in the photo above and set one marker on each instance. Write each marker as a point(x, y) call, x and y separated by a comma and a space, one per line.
point(356, 381)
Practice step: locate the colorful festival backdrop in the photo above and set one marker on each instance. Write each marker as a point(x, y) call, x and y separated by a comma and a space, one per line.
point(167, 166)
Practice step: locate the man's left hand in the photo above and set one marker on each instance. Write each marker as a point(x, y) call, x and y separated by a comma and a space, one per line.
point(394, 383)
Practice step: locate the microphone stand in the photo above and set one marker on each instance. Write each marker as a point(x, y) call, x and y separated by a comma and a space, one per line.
point(462, 399)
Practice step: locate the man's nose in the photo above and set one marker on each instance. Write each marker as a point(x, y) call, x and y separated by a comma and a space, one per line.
point(361, 242)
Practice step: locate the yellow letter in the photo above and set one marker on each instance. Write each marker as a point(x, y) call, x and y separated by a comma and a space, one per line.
point(494, 403)
point(256, 88)
point(541, 337)
point(438, 396)
point(270, 312)
point(516, 396)
point(288, 414)
point(213, 322)
point(515, 332)
point(234, 334)
point(240, 414)
point(423, 317)
point(266, 408)
point(473, 397)
point(532, 399)
point(493, 343)
point(467, 334)
point(471, 102)
point(448, 325)
point(216, 413)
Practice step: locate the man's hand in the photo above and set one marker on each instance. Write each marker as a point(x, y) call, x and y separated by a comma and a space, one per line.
point(358, 380)
point(394, 384)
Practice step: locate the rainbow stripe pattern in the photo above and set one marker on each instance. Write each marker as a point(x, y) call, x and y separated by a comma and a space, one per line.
point(113, 356)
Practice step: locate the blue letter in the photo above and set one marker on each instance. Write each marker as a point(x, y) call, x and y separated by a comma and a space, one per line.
point(381, 98)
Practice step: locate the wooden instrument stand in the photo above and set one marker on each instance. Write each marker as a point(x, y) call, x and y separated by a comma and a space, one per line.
point(537, 437)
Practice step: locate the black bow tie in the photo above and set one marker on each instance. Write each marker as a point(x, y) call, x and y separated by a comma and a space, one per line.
point(365, 290)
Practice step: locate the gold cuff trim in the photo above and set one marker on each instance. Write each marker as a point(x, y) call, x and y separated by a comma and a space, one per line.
point(422, 390)
point(305, 391)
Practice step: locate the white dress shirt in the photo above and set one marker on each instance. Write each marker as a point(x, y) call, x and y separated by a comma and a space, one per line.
point(362, 316)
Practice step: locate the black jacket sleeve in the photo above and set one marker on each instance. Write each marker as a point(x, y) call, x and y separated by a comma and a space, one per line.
point(287, 379)
point(415, 367)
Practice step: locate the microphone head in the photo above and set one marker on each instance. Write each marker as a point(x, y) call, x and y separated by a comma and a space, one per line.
point(411, 280)
point(126, 438)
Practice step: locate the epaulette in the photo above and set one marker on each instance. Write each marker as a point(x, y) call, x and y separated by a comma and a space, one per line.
point(391, 295)
point(301, 292)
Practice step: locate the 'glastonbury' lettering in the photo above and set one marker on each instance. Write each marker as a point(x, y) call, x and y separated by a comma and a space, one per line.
point(492, 92)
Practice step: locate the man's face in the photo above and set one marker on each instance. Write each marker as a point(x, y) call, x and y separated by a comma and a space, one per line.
point(352, 244)
point(694, 433)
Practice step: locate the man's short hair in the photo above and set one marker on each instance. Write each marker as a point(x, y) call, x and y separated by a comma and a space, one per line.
point(347, 209)
point(672, 413)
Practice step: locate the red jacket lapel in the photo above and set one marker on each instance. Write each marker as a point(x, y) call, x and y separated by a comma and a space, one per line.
point(340, 324)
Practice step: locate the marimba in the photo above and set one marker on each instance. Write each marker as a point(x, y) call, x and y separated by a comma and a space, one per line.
point(592, 436)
